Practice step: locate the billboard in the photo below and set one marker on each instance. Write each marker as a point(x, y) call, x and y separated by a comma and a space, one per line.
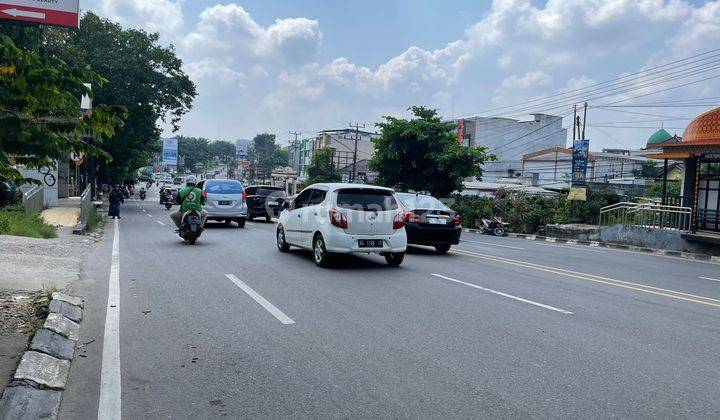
point(41, 12)
point(241, 150)
point(170, 151)
point(580, 152)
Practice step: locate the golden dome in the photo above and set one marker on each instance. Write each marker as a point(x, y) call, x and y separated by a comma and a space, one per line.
point(704, 129)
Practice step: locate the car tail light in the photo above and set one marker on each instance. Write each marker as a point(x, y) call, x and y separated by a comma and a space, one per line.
point(410, 217)
point(458, 220)
point(338, 219)
point(244, 196)
point(399, 220)
point(204, 194)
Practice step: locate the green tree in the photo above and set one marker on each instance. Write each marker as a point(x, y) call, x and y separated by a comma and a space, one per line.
point(196, 151)
point(423, 154)
point(281, 156)
point(321, 168)
point(223, 150)
point(40, 117)
point(143, 76)
point(263, 148)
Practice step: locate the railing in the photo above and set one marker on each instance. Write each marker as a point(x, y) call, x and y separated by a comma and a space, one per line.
point(34, 199)
point(646, 215)
point(85, 205)
point(708, 219)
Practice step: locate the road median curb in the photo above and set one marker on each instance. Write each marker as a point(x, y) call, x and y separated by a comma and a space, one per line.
point(611, 245)
point(36, 388)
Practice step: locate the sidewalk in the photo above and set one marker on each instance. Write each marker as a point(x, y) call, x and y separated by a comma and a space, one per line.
point(66, 214)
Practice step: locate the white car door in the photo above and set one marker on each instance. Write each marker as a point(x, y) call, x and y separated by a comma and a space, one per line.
point(311, 216)
point(293, 225)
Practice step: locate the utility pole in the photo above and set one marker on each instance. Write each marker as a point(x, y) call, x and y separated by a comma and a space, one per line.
point(357, 137)
point(584, 121)
point(574, 120)
point(296, 148)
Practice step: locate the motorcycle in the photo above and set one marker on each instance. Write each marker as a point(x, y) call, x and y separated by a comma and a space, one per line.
point(190, 228)
point(142, 195)
point(169, 200)
point(494, 226)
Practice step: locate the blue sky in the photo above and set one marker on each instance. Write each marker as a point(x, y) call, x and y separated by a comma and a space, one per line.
point(307, 65)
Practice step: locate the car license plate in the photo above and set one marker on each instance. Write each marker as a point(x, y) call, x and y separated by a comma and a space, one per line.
point(370, 243)
point(273, 203)
point(436, 221)
point(223, 203)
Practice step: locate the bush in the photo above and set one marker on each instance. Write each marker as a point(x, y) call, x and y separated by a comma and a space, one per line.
point(95, 219)
point(25, 224)
point(585, 211)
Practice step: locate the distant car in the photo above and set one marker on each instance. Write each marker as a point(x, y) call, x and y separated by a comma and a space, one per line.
point(344, 218)
point(225, 200)
point(264, 201)
point(430, 222)
point(9, 193)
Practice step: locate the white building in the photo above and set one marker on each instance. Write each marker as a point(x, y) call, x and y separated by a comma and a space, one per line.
point(509, 140)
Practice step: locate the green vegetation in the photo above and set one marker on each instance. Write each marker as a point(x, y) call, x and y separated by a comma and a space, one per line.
point(95, 219)
point(19, 223)
point(321, 168)
point(529, 213)
point(423, 154)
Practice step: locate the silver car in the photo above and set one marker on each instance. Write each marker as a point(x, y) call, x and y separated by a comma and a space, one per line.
point(225, 200)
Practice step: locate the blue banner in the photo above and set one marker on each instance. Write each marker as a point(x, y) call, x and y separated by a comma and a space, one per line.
point(580, 152)
point(170, 151)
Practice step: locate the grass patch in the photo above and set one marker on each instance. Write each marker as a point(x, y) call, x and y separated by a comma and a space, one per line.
point(95, 219)
point(19, 223)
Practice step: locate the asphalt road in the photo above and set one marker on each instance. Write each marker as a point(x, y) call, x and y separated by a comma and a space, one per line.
point(500, 328)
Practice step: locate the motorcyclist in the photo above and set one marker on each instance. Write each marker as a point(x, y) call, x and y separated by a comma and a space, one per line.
point(143, 192)
point(190, 198)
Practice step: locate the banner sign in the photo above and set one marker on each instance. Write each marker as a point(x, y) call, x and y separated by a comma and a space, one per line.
point(41, 12)
point(241, 150)
point(170, 151)
point(580, 152)
point(461, 131)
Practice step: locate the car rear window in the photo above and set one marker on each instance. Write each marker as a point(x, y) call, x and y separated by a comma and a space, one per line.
point(366, 199)
point(424, 202)
point(223, 187)
point(275, 192)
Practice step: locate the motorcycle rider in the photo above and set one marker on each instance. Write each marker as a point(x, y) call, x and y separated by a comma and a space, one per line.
point(190, 198)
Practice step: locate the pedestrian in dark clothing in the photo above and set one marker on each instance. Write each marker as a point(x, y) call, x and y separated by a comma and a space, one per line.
point(116, 198)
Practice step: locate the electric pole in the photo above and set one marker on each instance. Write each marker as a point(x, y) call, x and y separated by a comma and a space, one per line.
point(584, 121)
point(357, 137)
point(295, 148)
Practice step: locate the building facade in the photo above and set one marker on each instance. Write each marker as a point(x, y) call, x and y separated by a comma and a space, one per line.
point(342, 144)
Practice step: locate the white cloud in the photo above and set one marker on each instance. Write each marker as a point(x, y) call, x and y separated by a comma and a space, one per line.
point(531, 79)
point(164, 16)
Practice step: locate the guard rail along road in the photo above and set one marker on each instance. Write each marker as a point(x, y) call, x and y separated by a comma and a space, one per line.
point(85, 207)
point(647, 215)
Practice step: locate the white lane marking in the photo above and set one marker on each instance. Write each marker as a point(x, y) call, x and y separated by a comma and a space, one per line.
point(579, 248)
point(709, 278)
point(142, 209)
point(277, 313)
point(149, 215)
point(161, 223)
point(491, 244)
point(519, 299)
point(109, 404)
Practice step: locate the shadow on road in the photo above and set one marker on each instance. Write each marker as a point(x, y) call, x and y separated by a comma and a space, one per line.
point(342, 261)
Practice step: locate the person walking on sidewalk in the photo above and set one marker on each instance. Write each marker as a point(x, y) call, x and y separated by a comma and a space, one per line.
point(116, 198)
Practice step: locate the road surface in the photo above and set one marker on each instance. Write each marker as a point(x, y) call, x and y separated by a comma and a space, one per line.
point(500, 327)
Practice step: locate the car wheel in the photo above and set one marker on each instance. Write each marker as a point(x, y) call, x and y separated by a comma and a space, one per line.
point(394, 259)
point(499, 231)
point(320, 254)
point(228, 221)
point(282, 244)
point(268, 218)
point(442, 249)
point(241, 223)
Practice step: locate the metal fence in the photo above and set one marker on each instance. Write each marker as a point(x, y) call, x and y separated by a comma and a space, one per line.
point(34, 199)
point(649, 215)
point(85, 205)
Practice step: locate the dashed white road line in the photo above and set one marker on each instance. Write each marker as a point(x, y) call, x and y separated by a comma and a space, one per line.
point(161, 223)
point(109, 406)
point(149, 215)
point(491, 244)
point(495, 292)
point(277, 313)
point(709, 278)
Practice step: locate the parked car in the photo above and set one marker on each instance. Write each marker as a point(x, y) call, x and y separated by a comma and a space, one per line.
point(264, 201)
point(225, 200)
point(9, 193)
point(430, 222)
point(344, 218)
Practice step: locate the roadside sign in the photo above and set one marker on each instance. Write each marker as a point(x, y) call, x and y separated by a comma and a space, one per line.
point(580, 152)
point(577, 194)
point(77, 157)
point(41, 12)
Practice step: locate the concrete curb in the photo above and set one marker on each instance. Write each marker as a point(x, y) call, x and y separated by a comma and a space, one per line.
point(36, 388)
point(611, 245)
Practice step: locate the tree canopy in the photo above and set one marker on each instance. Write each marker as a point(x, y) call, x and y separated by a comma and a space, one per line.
point(196, 151)
point(223, 150)
point(321, 168)
point(423, 154)
point(40, 116)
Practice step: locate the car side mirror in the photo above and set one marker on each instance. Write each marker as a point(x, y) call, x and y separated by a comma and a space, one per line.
point(287, 205)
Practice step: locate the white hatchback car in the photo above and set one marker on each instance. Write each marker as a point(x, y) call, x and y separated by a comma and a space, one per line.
point(344, 218)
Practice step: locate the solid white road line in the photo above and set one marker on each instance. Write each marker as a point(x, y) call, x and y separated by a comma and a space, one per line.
point(277, 313)
point(149, 215)
point(491, 244)
point(709, 278)
point(579, 247)
point(161, 223)
point(519, 299)
point(109, 404)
